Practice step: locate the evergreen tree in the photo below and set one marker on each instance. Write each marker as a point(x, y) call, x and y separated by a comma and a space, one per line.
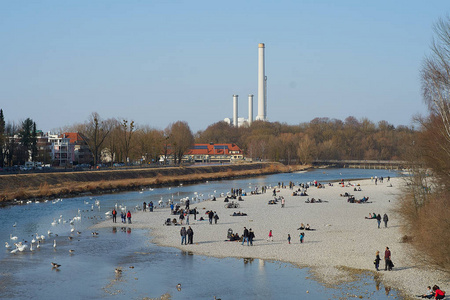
point(2, 139)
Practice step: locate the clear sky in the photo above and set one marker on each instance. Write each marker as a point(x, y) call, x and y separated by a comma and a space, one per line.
point(157, 62)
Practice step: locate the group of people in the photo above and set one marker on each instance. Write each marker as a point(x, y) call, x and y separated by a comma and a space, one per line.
point(124, 216)
point(189, 233)
point(435, 292)
point(150, 206)
point(248, 235)
point(388, 264)
point(212, 215)
point(378, 218)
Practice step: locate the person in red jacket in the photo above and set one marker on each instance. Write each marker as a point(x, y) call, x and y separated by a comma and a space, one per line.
point(439, 294)
point(129, 217)
point(114, 214)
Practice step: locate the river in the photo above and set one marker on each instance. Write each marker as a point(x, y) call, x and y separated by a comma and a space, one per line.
point(149, 271)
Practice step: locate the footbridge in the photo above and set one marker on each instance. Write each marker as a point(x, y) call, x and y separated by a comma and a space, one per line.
point(363, 164)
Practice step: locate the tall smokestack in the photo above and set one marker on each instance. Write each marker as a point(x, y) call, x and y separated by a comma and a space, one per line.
point(250, 109)
point(235, 110)
point(262, 101)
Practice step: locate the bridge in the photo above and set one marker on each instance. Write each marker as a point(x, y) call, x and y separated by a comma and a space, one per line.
point(363, 164)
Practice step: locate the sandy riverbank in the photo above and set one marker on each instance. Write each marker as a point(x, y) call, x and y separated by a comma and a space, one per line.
point(343, 237)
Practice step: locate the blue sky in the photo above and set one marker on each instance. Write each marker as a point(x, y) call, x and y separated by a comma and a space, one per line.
point(157, 62)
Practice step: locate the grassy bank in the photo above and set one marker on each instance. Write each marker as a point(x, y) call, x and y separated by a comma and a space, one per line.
point(47, 185)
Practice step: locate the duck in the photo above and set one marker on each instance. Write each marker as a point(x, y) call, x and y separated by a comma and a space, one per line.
point(55, 265)
point(118, 271)
point(71, 251)
point(179, 287)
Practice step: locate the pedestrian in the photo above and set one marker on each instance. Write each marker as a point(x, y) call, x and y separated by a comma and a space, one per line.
point(251, 236)
point(245, 236)
point(210, 216)
point(377, 260)
point(183, 234)
point(190, 234)
point(171, 208)
point(195, 213)
point(387, 260)
point(379, 220)
point(282, 202)
point(114, 214)
point(187, 218)
point(144, 206)
point(129, 217)
point(181, 217)
point(187, 204)
point(270, 236)
point(302, 236)
point(289, 238)
point(385, 220)
point(216, 217)
point(150, 206)
point(122, 216)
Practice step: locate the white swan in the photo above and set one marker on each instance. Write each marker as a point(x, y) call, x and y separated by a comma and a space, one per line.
point(33, 241)
point(15, 224)
point(38, 245)
point(42, 237)
point(14, 251)
point(21, 247)
point(54, 222)
point(14, 238)
point(49, 232)
point(31, 248)
point(54, 244)
point(7, 246)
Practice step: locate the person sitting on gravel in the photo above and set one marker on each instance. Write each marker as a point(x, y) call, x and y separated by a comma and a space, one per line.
point(429, 294)
point(238, 214)
point(302, 227)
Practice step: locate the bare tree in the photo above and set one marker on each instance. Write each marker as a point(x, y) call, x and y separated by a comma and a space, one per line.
point(436, 78)
point(94, 133)
point(180, 138)
point(127, 135)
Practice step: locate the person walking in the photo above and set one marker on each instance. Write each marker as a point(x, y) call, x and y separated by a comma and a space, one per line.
point(282, 202)
point(195, 213)
point(377, 260)
point(302, 236)
point(129, 217)
point(190, 234)
point(144, 206)
point(187, 204)
point(379, 220)
point(387, 260)
point(114, 214)
point(181, 217)
point(270, 238)
point(245, 236)
point(216, 217)
point(210, 216)
point(150, 206)
point(385, 220)
point(183, 234)
point(251, 236)
point(187, 218)
point(289, 238)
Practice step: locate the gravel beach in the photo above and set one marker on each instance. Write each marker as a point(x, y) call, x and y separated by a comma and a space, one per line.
point(343, 241)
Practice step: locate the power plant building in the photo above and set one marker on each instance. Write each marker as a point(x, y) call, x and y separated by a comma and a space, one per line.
point(262, 96)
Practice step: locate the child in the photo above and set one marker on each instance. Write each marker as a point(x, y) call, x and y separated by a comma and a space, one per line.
point(289, 238)
point(270, 236)
point(302, 236)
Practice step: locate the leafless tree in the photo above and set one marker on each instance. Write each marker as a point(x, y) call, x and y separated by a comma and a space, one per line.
point(436, 78)
point(180, 138)
point(94, 133)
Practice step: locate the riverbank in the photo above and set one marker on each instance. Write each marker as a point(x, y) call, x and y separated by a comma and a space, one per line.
point(69, 184)
point(343, 243)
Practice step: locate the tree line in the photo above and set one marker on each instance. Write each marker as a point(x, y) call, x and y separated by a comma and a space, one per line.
point(122, 140)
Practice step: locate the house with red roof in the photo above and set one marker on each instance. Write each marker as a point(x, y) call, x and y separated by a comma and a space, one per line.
point(214, 153)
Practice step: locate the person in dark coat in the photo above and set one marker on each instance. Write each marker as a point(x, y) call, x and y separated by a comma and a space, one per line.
point(210, 215)
point(216, 217)
point(190, 234)
point(385, 220)
point(377, 260)
point(387, 259)
point(379, 220)
point(245, 236)
point(144, 206)
point(251, 236)
point(183, 234)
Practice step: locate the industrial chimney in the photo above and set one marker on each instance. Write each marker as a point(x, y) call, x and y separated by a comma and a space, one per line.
point(235, 110)
point(262, 81)
point(250, 109)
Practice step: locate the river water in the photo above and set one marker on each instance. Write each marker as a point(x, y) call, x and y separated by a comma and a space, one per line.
point(149, 271)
